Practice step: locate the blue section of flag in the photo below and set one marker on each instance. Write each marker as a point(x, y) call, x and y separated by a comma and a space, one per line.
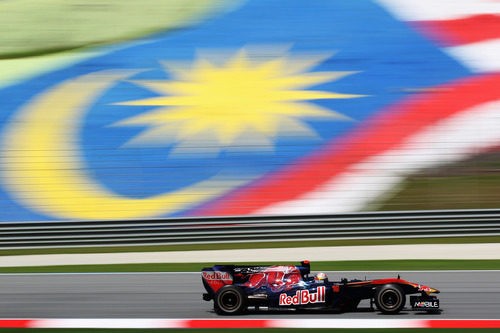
point(390, 58)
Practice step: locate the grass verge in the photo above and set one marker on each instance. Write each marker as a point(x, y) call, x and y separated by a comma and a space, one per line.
point(373, 265)
point(473, 183)
point(258, 245)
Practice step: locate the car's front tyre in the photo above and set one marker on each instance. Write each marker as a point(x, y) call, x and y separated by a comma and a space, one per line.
point(230, 300)
point(390, 298)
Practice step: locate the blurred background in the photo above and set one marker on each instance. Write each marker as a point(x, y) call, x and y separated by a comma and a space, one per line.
point(125, 125)
point(126, 109)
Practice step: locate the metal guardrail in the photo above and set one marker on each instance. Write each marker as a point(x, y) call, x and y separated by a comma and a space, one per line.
point(376, 225)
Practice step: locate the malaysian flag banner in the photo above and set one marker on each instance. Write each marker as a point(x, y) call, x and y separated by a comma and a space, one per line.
point(272, 107)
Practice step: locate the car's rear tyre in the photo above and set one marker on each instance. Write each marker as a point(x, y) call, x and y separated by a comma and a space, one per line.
point(230, 300)
point(390, 298)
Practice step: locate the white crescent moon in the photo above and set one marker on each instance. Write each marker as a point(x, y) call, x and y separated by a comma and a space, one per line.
point(44, 169)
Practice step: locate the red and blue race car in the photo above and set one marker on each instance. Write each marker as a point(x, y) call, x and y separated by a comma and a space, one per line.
point(236, 289)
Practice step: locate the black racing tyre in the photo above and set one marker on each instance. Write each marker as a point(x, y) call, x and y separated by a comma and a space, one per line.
point(230, 300)
point(390, 298)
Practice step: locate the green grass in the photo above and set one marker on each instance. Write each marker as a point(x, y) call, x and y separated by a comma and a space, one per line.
point(259, 330)
point(446, 192)
point(228, 246)
point(373, 265)
point(470, 184)
point(35, 27)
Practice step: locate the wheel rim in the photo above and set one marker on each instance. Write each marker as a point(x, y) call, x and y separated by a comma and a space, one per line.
point(229, 300)
point(390, 299)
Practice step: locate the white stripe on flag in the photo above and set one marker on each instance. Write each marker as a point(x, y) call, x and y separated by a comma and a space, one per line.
point(478, 57)
point(424, 10)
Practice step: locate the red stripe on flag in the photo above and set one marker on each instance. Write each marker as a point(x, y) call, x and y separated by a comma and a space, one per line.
point(15, 323)
point(227, 323)
point(385, 131)
point(462, 31)
point(463, 323)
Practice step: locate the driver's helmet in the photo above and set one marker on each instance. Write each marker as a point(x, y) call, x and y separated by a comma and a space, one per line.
point(320, 278)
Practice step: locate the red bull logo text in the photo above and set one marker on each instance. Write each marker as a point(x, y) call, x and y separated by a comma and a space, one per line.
point(217, 279)
point(217, 275)
point(303, 297)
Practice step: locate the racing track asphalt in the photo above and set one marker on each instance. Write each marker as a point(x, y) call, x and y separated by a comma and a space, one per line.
point(464, 294)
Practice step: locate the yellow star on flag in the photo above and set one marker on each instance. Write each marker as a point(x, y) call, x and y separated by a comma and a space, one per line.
point(239, 101)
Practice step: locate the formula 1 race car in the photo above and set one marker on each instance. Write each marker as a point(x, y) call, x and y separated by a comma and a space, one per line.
point(235, 289)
